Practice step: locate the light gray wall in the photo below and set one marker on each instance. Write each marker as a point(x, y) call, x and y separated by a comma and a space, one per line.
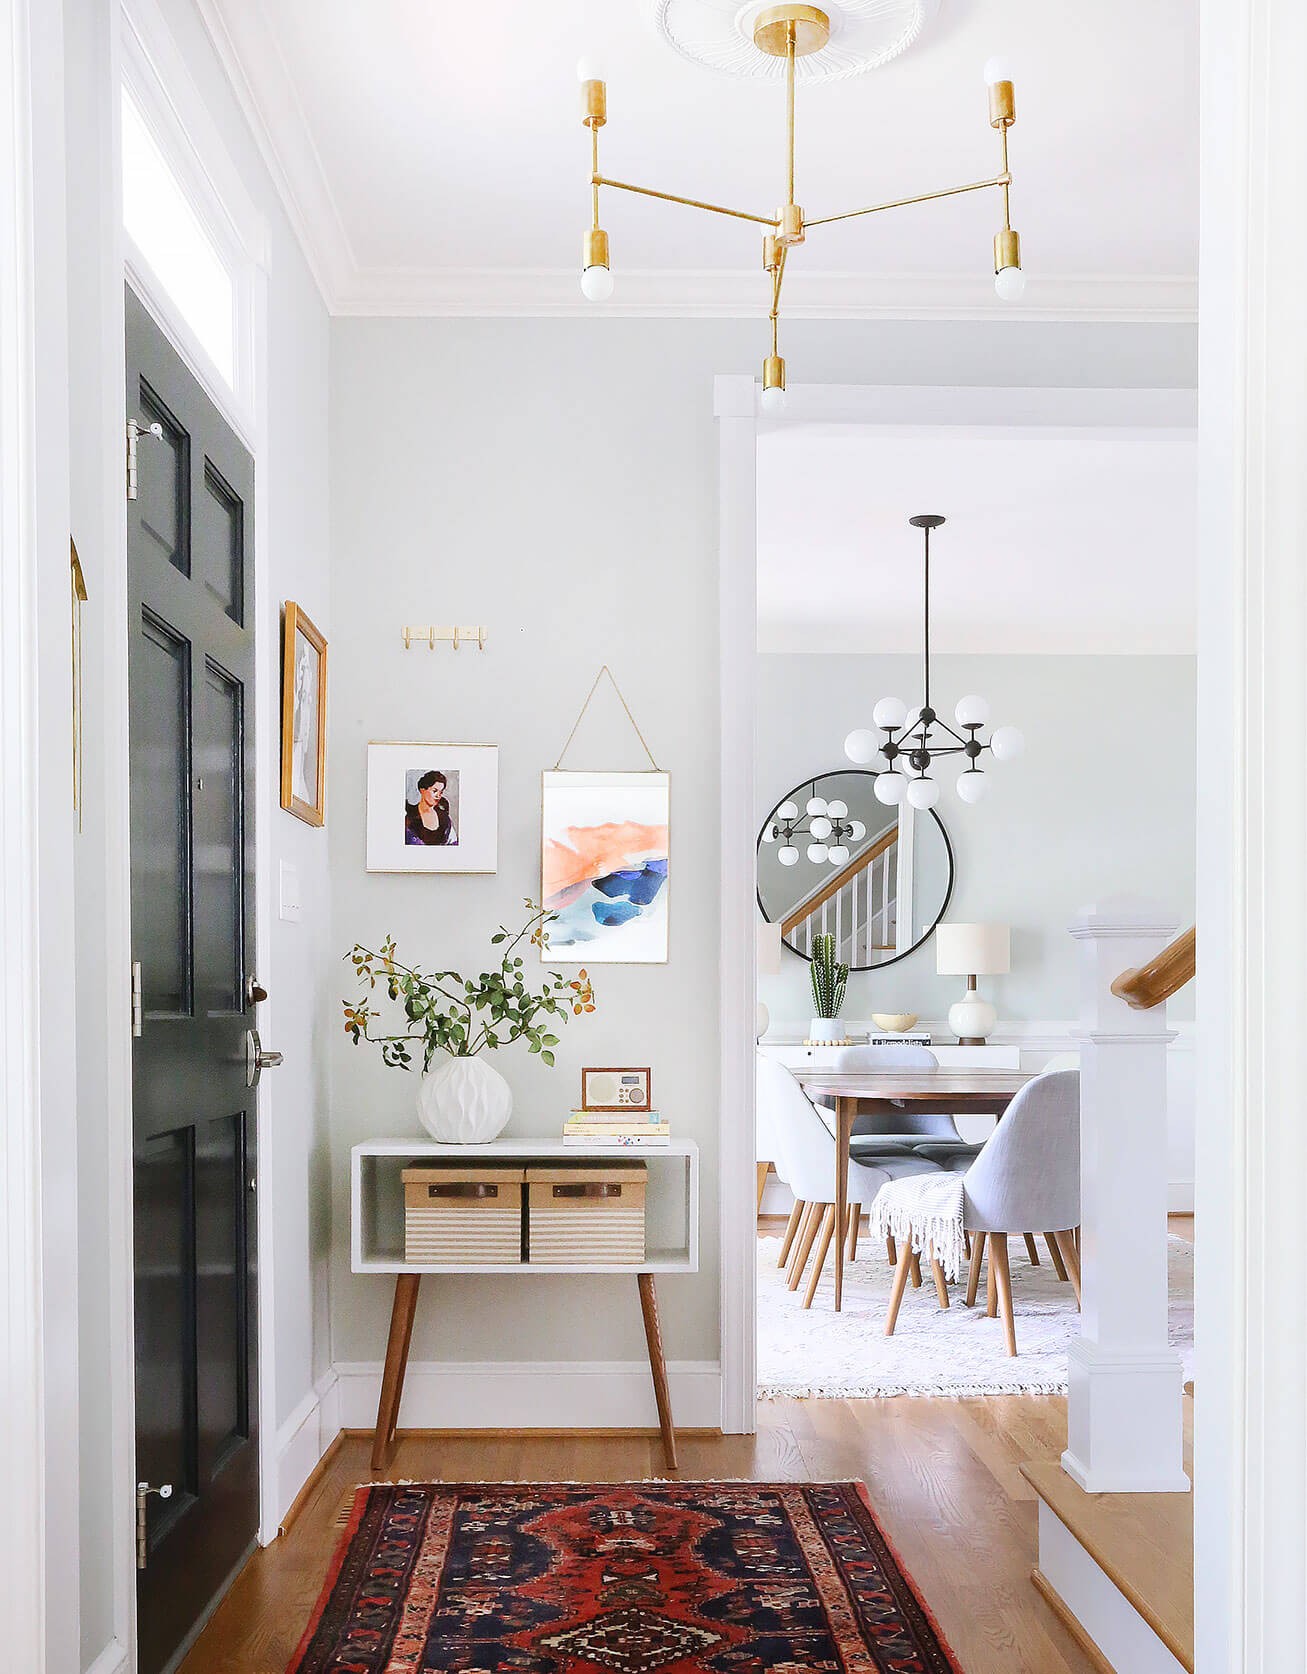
point(556, 480)
point(1101, 803)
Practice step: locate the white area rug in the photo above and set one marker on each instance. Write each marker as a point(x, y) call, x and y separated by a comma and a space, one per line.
point(933, 1351)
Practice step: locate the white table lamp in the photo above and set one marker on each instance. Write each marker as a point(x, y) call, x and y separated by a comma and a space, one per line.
point(972, 950)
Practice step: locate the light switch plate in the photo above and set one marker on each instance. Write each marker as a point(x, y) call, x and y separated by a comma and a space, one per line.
point(290, 892)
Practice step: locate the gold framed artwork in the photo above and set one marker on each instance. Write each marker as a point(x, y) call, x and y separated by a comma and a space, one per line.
point(303, 717)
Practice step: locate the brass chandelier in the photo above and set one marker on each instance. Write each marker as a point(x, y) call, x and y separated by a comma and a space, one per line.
point(791, 32)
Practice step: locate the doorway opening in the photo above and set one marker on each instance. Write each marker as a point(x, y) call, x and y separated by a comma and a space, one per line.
point(1062, 594)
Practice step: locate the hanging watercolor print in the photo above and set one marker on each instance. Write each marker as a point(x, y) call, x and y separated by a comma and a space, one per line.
point(604, 866)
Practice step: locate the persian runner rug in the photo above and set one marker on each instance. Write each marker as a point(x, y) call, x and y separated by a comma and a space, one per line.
point(618, 1578)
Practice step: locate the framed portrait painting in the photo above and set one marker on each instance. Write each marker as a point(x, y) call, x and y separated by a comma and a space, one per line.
point(604, 866)
point(433, 807)
point(303, 717)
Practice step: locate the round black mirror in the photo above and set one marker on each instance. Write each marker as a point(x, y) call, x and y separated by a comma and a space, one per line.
point(833, 859)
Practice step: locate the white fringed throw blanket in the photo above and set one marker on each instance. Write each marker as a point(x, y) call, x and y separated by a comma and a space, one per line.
point(923, 1210)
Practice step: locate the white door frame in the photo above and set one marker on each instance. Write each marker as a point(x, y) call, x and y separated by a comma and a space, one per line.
point(38, 1087)
point(1036, 413)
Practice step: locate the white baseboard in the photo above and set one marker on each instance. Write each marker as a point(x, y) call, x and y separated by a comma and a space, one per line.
point(1180, 1197)
point(113, 1659)
point(1122, 1635)
point(526, 1395)
point(304, 1438)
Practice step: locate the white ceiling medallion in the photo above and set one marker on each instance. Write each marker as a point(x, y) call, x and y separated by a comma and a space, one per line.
point(864, 34)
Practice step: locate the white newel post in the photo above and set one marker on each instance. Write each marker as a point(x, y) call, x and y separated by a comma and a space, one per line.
point(1125, 1381)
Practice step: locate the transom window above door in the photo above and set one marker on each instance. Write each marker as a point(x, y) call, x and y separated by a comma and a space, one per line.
point(162, 223)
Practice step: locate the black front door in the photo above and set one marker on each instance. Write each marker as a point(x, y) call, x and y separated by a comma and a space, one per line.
point(191, 718)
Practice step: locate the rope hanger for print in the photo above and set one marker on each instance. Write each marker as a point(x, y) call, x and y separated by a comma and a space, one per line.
point(604, 857)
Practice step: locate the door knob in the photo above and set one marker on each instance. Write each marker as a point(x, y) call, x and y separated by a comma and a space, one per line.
point(257, 1059)
point(254, 991)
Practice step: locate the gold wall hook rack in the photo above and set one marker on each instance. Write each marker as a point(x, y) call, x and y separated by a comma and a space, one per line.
point(455, 636)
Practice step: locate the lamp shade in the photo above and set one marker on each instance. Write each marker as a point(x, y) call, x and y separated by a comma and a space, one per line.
point(769, 949)
point(972, 949)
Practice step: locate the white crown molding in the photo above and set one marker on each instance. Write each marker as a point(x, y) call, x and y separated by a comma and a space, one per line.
point(251, 56)
point(655, 294)
point(256, 68)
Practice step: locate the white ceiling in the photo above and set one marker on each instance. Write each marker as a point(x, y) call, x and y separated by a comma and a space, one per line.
point(433, 160)
point(1055, 542)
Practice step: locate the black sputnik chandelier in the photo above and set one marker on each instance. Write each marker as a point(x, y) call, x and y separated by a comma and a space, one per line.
point(911, 743)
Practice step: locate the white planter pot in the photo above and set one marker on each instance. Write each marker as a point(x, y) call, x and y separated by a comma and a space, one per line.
point(826, 1029)
point(464, 1101)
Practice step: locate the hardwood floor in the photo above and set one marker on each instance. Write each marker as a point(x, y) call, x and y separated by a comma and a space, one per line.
point(944, 1477)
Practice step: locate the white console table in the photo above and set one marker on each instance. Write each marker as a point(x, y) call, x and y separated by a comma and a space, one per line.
point(377, 1244)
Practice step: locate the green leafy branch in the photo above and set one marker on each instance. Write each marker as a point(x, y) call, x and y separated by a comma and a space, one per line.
point(447, 1012)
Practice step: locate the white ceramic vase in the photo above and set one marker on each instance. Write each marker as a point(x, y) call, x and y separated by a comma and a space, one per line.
point(464, 1101)
point(827, 1029)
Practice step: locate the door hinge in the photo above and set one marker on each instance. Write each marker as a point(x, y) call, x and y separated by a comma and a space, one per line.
point(138, 1003)
point(143, 1492)
point(135, 430)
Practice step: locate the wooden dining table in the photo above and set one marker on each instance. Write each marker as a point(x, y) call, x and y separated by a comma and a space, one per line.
point(888, 1092)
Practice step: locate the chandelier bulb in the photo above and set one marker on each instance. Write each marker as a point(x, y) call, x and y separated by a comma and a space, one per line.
point(923, 793)
point(1010, 283)
point(788, 811)
point(788, 856)
point(889, 788)
point(838, 855)
point(972, 784)
point(1007, 743)
point(817, 853)
point(890, 713)
point(861, 746)
point(998, 68)
point(972, 711)
point(589, 69)
point(597, 284)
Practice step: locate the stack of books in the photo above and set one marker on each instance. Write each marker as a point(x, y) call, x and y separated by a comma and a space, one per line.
point(615, 1127)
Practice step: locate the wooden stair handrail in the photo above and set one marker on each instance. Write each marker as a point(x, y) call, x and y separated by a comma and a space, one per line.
point(834, 885)
point(1156, 981)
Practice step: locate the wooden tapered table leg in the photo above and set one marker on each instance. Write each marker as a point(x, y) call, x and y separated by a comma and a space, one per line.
point(392, 1378)
point(845, 1111)
point(657, 1365)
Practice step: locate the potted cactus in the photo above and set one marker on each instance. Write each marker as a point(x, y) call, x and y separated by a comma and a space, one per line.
point(829, 978)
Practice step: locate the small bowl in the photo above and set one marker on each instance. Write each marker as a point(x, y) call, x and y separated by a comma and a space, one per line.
point(894, 1022)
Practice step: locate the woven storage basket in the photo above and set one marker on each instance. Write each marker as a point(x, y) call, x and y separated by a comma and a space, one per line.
point(585, 1215)
point(466, 1214)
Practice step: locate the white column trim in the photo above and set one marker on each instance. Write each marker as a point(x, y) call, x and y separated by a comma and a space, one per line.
point(1251, 1376)
point(734, 403)
point(1124, 1381)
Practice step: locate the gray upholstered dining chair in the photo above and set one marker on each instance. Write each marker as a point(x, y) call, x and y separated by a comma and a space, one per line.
point(1025, 1180)
point(806, 1162)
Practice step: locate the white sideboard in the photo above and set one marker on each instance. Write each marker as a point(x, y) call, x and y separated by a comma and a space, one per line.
point(790, 1051)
